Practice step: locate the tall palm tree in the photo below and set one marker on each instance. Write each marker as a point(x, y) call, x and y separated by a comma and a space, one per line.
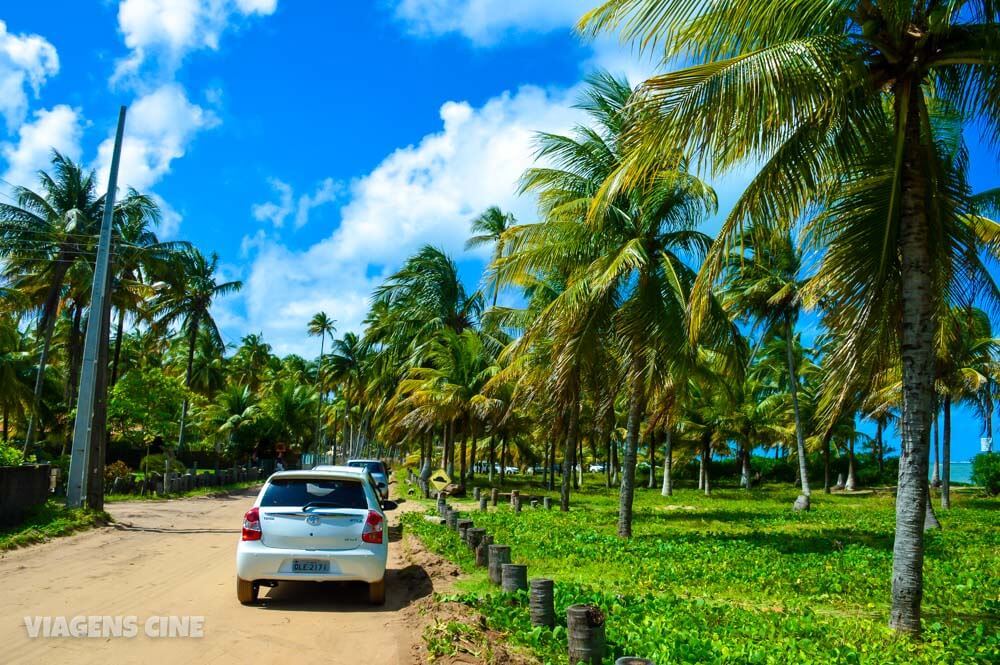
point(490, 228)
point(347, 367)
point(44, 234)
point(251, 361)
point(15, 373)
point(321, 326)
point(763, 285)
point(966, 359)
point(187, 301)
point(813, 93)
point(234, 410)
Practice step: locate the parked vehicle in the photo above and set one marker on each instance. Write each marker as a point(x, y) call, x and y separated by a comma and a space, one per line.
point(378, 471)
point(315, 526)
point(596, 468)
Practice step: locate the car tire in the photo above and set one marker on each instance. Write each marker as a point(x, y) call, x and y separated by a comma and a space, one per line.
point(376, 592)
point(246, 591)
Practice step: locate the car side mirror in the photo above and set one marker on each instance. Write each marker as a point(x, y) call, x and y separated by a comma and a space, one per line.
point(389, 505)
point(382, 485)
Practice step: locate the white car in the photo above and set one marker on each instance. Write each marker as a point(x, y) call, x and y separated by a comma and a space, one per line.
point(378, 471)
point(314, 526)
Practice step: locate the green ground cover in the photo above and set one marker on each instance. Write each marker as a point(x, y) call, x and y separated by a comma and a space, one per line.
point(49, 520)
point(739, 578)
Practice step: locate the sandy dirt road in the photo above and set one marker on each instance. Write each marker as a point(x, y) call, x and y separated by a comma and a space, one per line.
point(177, 558)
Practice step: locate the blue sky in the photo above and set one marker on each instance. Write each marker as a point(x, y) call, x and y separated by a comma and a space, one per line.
point(313, 144)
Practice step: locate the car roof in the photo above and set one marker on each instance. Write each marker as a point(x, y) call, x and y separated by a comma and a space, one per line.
point(338, 468)
point(366, 461)
point(321, 472)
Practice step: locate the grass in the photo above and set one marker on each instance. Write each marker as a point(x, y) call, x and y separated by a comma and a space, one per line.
point(50, 520)
point(739, 578)
point(197, 491)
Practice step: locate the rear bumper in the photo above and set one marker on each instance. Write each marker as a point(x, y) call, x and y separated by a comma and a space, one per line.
point(256, 562)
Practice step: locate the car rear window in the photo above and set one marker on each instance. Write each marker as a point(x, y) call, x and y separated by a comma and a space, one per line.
point(373, 467)
point(323, 493)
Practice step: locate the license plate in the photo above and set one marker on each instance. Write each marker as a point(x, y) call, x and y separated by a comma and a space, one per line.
point(310, 566)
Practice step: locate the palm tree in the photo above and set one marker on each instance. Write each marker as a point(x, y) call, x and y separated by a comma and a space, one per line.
point(43, 235)
point(966, 352)
point(322, 326)
point(15, 372)
point(490, 228)
point(625, 264)
point(347, 367)
point(289, 406)
point(234, 410)
point(188, 301)
point(251, 361)
point(806, 92)
point(763, 285)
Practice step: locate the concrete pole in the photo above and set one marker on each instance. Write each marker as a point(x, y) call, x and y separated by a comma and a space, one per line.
point(76, 488)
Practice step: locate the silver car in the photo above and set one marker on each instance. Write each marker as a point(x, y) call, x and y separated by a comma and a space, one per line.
point(378, 473)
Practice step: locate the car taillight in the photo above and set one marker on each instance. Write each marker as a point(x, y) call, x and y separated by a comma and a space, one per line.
point(373, 528)
point(251, 525)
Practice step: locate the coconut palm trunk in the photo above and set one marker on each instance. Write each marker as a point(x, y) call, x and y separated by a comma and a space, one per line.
point(192, 340)
point(462, 468)
point(569, 452)
point(668, 481)
point(319, 387)
point(852, 479)
point(936, 473)
point(946, 456)
point(706, 459)
point(120, 331)
point(472, 454)
point(627, 493)
point(793, 390)
point(917, 350)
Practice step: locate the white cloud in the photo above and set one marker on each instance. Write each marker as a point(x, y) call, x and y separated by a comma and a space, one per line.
point(167, 30)
point(485, 22)
point(277, 212)
point(424, 193)
point(25, 61)
point(158, 128)
point(58, 128)
point(170, 219)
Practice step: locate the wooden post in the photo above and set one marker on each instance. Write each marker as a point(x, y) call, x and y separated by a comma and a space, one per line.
point(517, 504)
point(452, 518)
point(513, 577)
point(483, 551)
point(540, 602)
point(462, 526)
point(585, 634)
point(494, 496)
point(499, 555)
point(482, 504)
point(547, 502)
point(476, 493)
point(473, 537)
point(515, 497)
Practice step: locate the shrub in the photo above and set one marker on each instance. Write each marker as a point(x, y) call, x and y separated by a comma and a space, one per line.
point(10, 455)
point(986, 472)
point(116, 470)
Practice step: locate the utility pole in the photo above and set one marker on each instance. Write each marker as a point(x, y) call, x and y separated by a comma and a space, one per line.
point(95, 344)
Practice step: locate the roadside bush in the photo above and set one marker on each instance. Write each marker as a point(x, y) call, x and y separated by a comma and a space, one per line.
point(986, 472)
point(116, 470)
point(10, 455)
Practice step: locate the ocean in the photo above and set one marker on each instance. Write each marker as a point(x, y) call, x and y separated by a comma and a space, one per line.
point(961, 472)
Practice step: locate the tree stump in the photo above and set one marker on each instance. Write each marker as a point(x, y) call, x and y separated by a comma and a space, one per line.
point(540, 602)
point(462, 526)
point(513, 577)
point(482, 504)
point(517, 504)
point(585, 634)
point(514, 497)
point(483, 551)
point(494, 495)
point(547, 502)
point(476, 493)
point(473, 537)
point(499, 555)
point(452, 519)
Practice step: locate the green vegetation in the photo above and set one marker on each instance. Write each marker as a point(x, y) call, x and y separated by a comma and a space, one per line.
point(50, 520)
point(986, 472)
point(197, 491)
point(738, 578)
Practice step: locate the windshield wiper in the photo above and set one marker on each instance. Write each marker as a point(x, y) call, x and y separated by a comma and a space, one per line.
point(322, 504)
